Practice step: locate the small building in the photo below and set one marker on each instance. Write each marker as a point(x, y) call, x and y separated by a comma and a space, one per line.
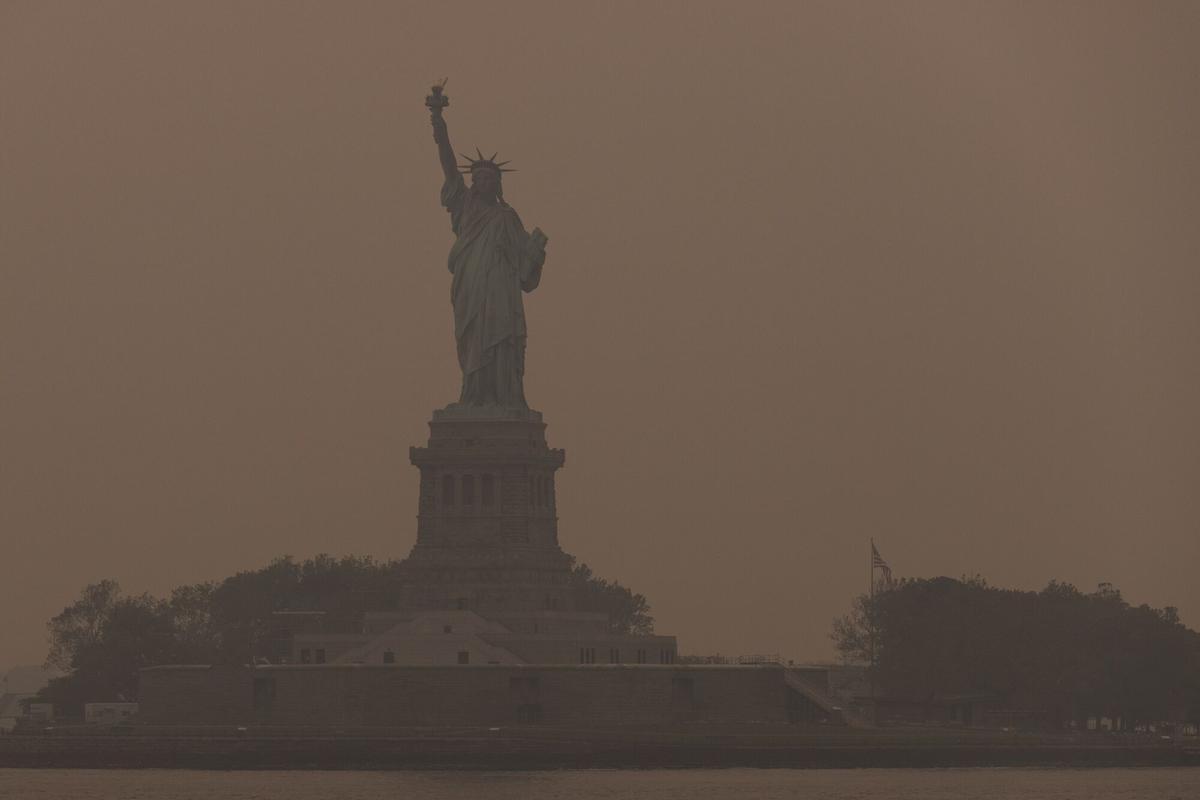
point(108, 713)
point(11, 710)
point(19, 686)
point(39, 713)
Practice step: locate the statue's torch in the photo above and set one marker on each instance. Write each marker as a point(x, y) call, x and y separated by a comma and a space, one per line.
point(436, 100)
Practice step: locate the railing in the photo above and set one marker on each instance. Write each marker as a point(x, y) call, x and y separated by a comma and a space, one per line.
point(761, 659)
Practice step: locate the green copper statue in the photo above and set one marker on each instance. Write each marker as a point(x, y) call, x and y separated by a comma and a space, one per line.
point(493, 260)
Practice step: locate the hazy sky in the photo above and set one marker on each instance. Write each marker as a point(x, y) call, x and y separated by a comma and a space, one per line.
point(817, 272)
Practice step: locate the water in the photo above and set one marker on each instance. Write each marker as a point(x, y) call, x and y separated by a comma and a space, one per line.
point(684, 784)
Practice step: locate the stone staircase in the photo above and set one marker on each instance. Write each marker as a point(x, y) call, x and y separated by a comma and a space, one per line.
point(818, 697)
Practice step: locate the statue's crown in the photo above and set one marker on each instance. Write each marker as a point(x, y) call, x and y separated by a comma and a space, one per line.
point(483, 163)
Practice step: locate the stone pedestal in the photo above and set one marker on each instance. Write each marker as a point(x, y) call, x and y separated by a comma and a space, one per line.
point(487, 530)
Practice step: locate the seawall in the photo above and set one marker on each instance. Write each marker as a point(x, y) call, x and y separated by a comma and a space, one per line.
point(547, 748)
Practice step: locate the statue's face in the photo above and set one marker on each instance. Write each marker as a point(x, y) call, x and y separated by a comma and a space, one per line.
point(486, 182)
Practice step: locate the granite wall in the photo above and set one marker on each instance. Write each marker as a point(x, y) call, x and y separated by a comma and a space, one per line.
point(397, 696)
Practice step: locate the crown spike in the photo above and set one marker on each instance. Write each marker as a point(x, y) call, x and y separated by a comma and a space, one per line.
point(481, 158)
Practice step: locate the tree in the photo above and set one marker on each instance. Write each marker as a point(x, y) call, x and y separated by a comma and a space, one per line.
point(1070, 654)
point(852, 633)
point(103, 639)
point(79, 625)
point(627, 611)
point(241, 606)
point(197, 634)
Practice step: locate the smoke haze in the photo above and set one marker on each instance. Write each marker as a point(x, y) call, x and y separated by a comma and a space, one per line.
point(925, 272)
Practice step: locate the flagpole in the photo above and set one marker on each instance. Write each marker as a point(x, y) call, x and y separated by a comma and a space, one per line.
point(871, 620)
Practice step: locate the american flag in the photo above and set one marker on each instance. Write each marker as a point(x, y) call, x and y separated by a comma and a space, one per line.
point(877, 563)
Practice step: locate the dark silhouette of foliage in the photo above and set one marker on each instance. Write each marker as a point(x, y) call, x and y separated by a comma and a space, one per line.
point(1071, 654)
point(344, 588)
point(103, 638)
point(80, 624)
point(627, 611)
point(852, 632)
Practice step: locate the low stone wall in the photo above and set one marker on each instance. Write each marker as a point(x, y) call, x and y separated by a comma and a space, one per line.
point(196, 695)
point(376, 695)
point(530, 747)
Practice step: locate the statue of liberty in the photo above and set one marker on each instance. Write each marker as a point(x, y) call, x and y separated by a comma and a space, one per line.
point(493, 260)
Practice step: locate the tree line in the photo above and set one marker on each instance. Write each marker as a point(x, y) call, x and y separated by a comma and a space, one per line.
point(1070, 654)
point(104, 637)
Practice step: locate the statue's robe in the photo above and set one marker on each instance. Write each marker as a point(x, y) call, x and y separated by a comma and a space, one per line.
point(492, 261)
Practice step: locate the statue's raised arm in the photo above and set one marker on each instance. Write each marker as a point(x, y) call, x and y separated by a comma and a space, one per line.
point(435, 101)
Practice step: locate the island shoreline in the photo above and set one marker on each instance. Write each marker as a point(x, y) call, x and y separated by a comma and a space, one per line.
point(508, 751)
